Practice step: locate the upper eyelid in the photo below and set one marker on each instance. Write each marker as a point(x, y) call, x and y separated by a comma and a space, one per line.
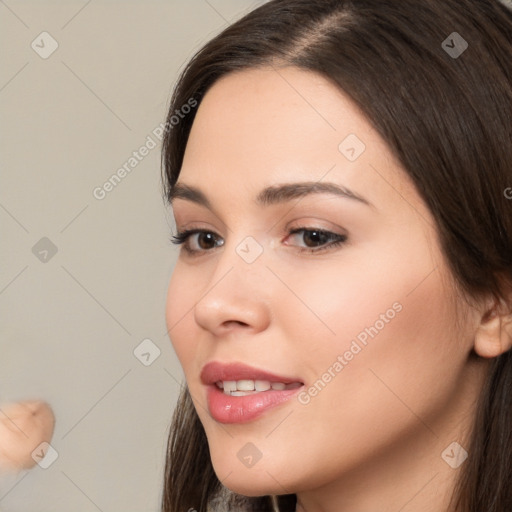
point(301, 224)
point(192, 231)
point(177, 222)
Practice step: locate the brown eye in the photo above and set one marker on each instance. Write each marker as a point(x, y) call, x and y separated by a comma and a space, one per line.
point(197, 240)
point(206, 240)
point(315, 240)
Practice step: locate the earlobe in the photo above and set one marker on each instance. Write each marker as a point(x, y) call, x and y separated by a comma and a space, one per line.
point(494, 334)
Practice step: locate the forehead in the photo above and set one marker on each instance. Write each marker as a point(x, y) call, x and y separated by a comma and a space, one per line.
point(275, 113)
point(263, 126)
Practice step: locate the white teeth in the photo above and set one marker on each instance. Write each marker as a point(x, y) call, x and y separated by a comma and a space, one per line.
point(229, 385)
point(245, 387)
point(261, 385)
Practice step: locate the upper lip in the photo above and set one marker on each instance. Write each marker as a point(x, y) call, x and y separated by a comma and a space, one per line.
point(215, 371)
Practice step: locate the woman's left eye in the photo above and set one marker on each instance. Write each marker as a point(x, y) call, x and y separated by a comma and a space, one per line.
point(316, 240)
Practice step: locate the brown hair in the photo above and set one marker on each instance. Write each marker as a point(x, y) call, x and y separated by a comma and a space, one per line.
point(447, 117)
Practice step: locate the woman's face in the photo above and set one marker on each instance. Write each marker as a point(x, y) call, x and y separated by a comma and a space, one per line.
point(347, 297)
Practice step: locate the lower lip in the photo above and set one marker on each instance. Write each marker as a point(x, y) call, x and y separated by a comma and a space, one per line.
point(241, 409)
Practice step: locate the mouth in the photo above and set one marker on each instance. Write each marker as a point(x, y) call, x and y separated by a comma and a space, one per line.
point(245, 387)
point(238, 393)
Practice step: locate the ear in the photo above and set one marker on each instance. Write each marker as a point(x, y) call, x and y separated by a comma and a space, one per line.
point(494, 333)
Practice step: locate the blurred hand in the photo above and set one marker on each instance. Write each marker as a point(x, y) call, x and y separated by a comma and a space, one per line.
point(23, 427)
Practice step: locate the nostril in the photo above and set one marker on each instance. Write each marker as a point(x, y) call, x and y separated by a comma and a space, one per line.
point(231, 323)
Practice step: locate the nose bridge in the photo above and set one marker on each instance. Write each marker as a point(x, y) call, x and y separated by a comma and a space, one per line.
point(236, 292)
point(242, 259)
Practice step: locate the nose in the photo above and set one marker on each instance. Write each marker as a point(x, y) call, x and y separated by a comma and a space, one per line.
point(236, 298)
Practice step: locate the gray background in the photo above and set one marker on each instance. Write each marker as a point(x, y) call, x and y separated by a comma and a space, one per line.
point(70, 322)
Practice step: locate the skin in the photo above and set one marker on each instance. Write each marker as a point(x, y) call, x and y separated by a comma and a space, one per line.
point(23, 427)
point(372, 439)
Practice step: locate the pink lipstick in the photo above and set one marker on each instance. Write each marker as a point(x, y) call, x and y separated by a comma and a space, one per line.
point(238, 393)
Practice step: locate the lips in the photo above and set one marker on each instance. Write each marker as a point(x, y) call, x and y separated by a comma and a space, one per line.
point(239, 406)
point(215, 371)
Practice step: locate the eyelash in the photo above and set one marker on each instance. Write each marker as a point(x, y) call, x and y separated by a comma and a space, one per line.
point(182, 237)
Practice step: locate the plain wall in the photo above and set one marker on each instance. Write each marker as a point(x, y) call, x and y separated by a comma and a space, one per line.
point(70, 321)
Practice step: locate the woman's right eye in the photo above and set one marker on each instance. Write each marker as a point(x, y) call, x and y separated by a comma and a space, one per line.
point(195, 241)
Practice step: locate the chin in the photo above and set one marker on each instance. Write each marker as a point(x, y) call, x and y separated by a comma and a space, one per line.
point(248, 487)
point(260, 480)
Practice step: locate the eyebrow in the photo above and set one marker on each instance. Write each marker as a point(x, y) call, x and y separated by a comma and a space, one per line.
point(271, 195)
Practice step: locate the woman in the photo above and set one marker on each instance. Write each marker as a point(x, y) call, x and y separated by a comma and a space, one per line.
point(342, 302)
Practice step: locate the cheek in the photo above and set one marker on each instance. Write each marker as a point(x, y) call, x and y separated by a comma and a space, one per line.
point(395, 340)
point(366, 292)
point(378, 333)
point(378, 400)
